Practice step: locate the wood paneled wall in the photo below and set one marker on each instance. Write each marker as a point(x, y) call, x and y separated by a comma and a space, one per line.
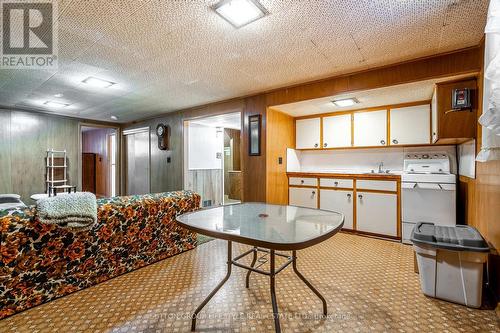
point(24, 140)
point(280, 136)
point(96, 141)
point(169, 176)
point(480, 197)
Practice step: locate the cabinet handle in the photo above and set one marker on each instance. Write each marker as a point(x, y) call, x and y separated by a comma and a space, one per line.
point(315, 145)
point(382, 142)
point(325, 144)
point(302, 181)
point(313, 192)
point(349, 195)
point(336, 183)
point(360, 196)
point(395, 141)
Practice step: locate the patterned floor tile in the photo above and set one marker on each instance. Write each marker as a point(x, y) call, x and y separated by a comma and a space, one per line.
point(369, 285)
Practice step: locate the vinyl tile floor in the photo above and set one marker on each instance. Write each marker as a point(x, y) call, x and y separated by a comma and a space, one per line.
point(369, 284)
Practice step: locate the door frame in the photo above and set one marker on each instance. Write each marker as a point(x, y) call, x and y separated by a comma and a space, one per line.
point(117, 153)
point(184, 145)
point(124, 155)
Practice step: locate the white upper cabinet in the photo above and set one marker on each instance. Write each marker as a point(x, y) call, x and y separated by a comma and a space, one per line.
point(337, 131)
point(410, 125)
point(434, 116)
point(370, 128)
point(307, 133)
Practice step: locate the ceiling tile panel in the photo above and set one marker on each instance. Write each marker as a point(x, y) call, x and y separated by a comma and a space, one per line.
point(169, 55)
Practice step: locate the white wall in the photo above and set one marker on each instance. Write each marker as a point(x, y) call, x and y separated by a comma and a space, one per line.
point(204, 143)
point(358, 160)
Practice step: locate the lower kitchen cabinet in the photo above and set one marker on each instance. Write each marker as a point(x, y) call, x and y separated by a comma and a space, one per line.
point(377, 213)
point(303, 197)
point(338, 201)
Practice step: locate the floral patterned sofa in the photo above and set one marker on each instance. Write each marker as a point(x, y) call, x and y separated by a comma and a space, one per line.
point(40, 262)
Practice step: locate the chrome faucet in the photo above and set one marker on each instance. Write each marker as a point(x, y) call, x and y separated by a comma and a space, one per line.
point(380, 166)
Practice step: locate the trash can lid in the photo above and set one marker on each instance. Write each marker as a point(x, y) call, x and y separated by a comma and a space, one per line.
point(457, 238)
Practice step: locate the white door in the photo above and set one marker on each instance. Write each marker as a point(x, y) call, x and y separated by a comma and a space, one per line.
point(303, 197)
point(410, 125)
point(377, 213)
point(370, 128)
point(137, 161)
point(307, 133)
point(338, 201)
point(337, 131)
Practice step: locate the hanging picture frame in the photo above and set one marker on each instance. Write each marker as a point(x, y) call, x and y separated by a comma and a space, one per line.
point(254, 127)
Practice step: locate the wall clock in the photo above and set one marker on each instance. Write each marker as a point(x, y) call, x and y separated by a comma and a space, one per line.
point(162, 134)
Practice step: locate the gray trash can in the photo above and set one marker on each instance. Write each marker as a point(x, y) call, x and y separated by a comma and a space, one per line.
point(450, 262)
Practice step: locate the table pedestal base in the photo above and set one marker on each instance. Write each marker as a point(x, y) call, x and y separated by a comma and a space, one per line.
point(253, 268)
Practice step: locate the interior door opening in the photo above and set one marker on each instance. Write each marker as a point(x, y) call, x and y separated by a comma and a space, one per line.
point(212, 158)
point(98, 160)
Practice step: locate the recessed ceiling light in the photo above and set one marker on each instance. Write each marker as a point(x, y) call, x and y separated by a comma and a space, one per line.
point(345, 102)
point(240, 12)
point(114, 118)
point(55, 105)
point(58, 95)
point(99, 83)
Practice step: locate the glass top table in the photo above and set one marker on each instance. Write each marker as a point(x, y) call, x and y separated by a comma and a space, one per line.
point(267, 228)
point(270, 226)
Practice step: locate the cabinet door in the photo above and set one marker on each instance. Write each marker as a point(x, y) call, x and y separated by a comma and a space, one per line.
point(434, 119)
point(307, 133)
point(410, 125)
point(370, 128)
point(377, 213)
point(303, 197)
point(338, 201)
point(337, 131)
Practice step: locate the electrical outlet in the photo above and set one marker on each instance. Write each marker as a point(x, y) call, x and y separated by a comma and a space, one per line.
point(280, 160)
point(169, 159)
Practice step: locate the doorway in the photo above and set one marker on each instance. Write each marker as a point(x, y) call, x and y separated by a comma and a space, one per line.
point(212, 158)
point(137, 161)
point(99, 153)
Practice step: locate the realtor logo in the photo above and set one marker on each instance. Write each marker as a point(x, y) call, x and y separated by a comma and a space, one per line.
point(29, 34)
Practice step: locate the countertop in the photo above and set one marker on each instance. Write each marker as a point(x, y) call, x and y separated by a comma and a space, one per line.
point(359, 174)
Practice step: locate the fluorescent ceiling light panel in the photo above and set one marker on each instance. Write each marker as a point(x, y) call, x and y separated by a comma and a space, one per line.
point(98, 83)
point(345, 102)
point(55, 105)
point(240, 12)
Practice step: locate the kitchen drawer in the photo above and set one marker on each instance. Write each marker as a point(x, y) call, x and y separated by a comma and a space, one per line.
point(304, 181)
point(380, 185)
point(303, 197)
point(336, 182)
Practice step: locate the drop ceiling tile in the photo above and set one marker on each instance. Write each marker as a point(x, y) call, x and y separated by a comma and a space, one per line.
point(168, 55)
